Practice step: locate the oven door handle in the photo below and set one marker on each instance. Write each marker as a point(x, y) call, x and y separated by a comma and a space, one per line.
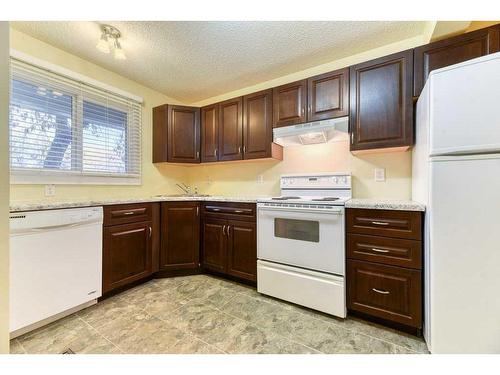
point(332, 211)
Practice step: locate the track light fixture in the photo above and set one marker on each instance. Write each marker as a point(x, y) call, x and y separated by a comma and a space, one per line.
point(109, 42)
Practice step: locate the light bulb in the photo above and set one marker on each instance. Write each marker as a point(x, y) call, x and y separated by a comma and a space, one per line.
point(118, 51)
point(103, 44)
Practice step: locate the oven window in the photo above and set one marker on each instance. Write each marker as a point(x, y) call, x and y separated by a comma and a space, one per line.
point(302, 230)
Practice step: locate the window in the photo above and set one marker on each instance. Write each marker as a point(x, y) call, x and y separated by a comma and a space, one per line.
point(65, 131)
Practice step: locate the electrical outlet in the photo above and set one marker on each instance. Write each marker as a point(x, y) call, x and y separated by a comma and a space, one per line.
point(260, 178)
point(50, 190)
point(208, 180)
point(379, 174)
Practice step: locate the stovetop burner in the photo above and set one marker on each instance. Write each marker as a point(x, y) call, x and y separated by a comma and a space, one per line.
point(284, 198)
point(326, 199)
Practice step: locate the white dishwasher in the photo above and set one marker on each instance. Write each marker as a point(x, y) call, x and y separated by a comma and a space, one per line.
point(55, 264)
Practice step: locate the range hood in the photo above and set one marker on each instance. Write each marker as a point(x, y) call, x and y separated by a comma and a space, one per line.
point(312, 132)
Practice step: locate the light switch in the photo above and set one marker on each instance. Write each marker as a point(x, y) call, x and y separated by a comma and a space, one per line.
point(50, 190)
point(379, 174)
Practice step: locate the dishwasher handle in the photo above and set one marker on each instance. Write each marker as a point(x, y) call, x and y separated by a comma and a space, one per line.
point(51, 228)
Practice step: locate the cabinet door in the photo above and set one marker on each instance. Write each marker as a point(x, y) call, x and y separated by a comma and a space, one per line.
point(242, 250)
point(231, 129)
point(289, 104)
point(328, 95)
point(453, 51)
point(180, 235)
point(126, 254)
point(160, 134)
point(257, 124)
point(381, 105)
point(214, 244)
point(392, 293)
point(209, 133)
point(183, 134)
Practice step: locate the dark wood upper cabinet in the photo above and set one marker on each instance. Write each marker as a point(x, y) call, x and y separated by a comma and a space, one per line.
point(257, 124)
point(126, 254)
point(452, 51)
point(328, 95)
point(176, 134)
point(242, 249)
point(209, 133)
point(183, 134)
point(231, 129)
point(289, 104)
point(160, 134)
point(381, 105)
point(180, 224)
point(214, 244)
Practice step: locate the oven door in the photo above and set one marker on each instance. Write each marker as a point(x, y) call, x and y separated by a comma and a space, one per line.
point(307, 238)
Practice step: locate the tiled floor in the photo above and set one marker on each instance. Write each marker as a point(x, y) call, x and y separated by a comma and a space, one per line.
point(204, 314)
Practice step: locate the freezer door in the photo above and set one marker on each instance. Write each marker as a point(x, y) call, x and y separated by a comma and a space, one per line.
point(464, 101)
point(463, 304)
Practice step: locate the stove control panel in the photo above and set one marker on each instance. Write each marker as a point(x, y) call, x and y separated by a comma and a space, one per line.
point(318, 181)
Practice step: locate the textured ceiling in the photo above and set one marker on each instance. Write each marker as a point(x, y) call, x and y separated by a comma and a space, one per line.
point(192, 61)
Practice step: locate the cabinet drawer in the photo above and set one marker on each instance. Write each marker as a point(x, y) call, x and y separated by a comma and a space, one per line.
point(230, 210)
point(387, 292)
point(389, 223)
point(391, 251)
point(127, 213)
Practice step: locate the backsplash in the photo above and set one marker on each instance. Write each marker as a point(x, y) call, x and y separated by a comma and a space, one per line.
point(255, 178)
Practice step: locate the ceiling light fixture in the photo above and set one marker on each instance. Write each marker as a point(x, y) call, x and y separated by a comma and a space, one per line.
point(109, 42)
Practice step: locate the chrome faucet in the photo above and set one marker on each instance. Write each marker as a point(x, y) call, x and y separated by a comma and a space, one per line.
point(185, 188)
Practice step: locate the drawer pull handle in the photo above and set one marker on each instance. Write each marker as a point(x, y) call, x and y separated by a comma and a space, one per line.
point(129, 213)
point(238, 211)
point(380, 223)
point(215, 209)
point(380, 291)
point(380, 250)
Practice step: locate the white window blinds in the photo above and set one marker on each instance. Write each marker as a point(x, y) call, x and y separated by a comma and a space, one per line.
point(66, 131)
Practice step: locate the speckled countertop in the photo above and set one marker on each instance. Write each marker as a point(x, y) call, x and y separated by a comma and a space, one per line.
point(50, 205)
point(380, 204)
point(385, 204)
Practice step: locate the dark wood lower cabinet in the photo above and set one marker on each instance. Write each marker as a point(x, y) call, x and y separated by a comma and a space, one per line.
point(180, 236)
point(242, 250)
point(126, 254)
point(384, 266)
point(214, 244)
point(229, 239)
point(387, 292)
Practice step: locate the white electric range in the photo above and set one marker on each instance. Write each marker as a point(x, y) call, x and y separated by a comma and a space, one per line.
point(301, 241)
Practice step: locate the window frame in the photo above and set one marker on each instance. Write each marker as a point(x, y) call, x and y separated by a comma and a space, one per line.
point(79, 176)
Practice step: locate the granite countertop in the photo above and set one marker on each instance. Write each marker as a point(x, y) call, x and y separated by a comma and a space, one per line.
point(380, 204)
point(50, 205)
point(385, 204)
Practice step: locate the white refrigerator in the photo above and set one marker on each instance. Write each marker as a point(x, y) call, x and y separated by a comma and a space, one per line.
point(456, 173)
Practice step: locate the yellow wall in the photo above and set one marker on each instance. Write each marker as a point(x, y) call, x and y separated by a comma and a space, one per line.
point(4, 187)
point(241, 178)
point(233, 178)
point(155, 178)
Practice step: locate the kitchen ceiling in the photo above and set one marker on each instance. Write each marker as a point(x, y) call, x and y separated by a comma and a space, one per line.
point(193, 61)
